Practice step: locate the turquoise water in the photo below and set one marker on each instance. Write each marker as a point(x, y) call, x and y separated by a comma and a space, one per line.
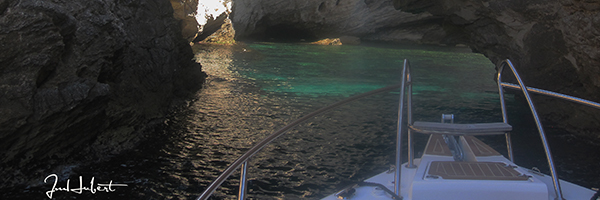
point(345, 70)
point(254, 89)
point(270, 84)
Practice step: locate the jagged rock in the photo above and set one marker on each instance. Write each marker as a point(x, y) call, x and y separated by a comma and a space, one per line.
point(296, 20)
point(81, 80)
point(212, 25)
point(217, 31)
point(224, 35)
point(554, 44)
point(216, 27)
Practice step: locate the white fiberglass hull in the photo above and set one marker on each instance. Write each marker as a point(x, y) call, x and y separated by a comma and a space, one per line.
point(419, 184)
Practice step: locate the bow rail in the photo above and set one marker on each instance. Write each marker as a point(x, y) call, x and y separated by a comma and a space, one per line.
point(520, 86)
point(242, 161)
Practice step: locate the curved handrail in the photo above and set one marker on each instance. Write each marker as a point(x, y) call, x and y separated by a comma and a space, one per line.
point(538, 123)
point(554, 94)
point(257, 147)
point(406, 81)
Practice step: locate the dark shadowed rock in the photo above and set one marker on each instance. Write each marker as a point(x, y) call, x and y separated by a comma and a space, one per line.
point(81, 80)
point(350, 40)
point(554, 44)
point(306, 20)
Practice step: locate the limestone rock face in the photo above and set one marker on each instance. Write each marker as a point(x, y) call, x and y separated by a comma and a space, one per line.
point(215, 23)
point(296, 20)
point(555, 45)
point(224, 34)
point(82, 79)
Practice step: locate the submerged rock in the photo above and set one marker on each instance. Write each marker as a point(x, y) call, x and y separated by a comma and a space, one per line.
point(82, 80)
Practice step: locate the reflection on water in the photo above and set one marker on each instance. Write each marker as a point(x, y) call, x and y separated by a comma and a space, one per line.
point(255, 89)
point(272, 84)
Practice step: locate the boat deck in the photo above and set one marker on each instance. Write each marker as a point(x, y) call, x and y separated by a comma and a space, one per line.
point(485, 174)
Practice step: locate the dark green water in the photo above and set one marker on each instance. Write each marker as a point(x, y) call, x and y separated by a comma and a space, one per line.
point(255, 89)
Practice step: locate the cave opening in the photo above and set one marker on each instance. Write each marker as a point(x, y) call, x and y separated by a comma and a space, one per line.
point(288, 33)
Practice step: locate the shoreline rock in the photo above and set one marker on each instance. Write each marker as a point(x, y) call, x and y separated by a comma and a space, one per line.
point(328, 41)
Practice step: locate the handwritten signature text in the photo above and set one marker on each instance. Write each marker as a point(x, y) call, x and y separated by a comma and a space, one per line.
point(92, 187)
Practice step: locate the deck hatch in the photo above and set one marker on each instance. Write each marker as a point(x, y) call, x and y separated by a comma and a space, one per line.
point(474, 171)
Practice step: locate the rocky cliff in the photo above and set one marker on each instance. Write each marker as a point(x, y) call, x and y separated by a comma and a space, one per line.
point(81, 79)
point(295, 20)
point(555, 45)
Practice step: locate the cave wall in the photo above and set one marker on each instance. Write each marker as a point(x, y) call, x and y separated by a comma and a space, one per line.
point(555, 45)
point(83, 79)
point(295, 20)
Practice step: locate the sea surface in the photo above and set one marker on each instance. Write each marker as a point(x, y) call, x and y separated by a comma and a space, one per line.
point(254, 89)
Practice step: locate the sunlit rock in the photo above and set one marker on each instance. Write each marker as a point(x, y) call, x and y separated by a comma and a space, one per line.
point(215, 25)
point(328, 41)
point(208, 9)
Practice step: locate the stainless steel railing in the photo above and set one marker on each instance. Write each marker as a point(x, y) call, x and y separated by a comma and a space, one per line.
point(554, 94)
point(521, 86)
point(538, 123)
point(407, 83)
point(406, 80)
point(242, 161)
